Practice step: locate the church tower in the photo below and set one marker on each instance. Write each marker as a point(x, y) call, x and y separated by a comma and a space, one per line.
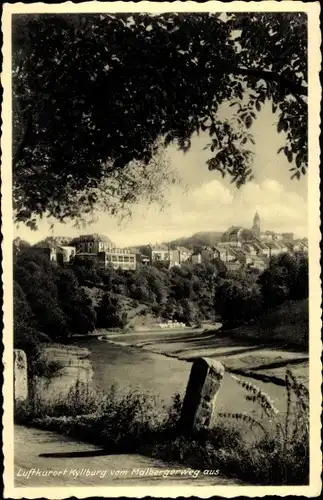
point(256, 224)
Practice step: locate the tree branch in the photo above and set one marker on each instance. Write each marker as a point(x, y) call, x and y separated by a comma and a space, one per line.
point(296, 88)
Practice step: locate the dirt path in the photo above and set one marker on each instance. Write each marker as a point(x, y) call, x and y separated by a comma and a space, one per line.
point(44, 458)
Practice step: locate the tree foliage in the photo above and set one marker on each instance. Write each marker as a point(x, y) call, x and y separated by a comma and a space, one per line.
point(94, 96)
point(109, 313)
point(48, 301)
point(52, 303)
point(238, 301)
point(285, 278)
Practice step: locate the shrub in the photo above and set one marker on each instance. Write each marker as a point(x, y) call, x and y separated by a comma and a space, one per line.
point(281, 454)
point(274, 451)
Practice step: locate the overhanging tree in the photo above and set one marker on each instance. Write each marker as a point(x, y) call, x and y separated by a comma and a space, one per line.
point(94, 96)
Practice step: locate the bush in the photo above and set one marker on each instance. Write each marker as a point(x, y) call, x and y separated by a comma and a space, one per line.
point(274, 451)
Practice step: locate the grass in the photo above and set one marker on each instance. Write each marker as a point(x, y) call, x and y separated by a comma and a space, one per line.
point(286, 324)
point(270, 451)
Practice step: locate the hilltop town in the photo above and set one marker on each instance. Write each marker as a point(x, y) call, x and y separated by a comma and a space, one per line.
point(237, 248)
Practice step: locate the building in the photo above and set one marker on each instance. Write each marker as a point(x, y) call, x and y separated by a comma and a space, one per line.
point(258, 262)
point(61, 240)
point(86, 256)
point(233, 265)
point(141, 259)
point(47, 248)
point(222, 252)
point(209, 254)
point(282, 245)
point(235, 236)
point(184, 254)
point(254, 247)
point(196, 258)
point(267, 236)
point(288, 236)
point(158, 253)
point(256, 224)
point(250, 249)
point(118, 258)
point(297, 246)
point(274, 248)
point(92, 243)
point(65, 254)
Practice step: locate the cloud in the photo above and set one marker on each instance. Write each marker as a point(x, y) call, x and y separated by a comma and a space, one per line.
point(209, 206)
point(213, 206)
point(210, 194)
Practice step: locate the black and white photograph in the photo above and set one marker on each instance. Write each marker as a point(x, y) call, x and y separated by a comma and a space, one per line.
point(160, 223)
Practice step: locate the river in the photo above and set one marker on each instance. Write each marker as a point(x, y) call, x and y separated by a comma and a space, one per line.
point(133, 367)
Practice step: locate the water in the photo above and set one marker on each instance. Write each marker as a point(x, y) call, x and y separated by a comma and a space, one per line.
point(133, 367)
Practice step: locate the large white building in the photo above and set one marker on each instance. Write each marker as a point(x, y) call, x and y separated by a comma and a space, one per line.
point(118, 258)
point(104, 251)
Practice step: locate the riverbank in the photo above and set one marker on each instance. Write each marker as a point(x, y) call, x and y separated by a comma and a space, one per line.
point(243, 356)
point(130, 408)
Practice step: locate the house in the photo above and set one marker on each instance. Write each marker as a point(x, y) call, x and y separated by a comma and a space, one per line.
point(297, 246)
point(243, 257)
point(227, 253)
point(142, 259)
point(184, 254)
point(222, 252)
point(233, 265)
point(209, 254)
point(288, 236)
point(274, 248)
point(196, 258)
point(158, 253)
point(174, 257)
point(282, 245)
point(249, 248)
point(262, 248)
point(65, 254)
point(267, 236)
point(47, 248)
point(259, 263)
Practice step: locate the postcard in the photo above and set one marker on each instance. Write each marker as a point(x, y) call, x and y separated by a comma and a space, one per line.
point(160, 240)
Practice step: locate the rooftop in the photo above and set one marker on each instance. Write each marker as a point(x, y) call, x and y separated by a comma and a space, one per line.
point(94, 237)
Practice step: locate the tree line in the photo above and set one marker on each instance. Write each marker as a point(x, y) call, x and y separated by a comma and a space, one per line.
point(51, 303)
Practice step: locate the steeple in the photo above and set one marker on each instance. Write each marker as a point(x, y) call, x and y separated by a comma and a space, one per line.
point(256, 223)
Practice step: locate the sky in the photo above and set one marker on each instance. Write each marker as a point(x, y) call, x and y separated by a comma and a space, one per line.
point(208, 203)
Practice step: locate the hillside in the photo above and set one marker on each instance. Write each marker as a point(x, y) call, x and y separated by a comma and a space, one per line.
point(288, 323)
point(138, 314)
point(203, 238)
